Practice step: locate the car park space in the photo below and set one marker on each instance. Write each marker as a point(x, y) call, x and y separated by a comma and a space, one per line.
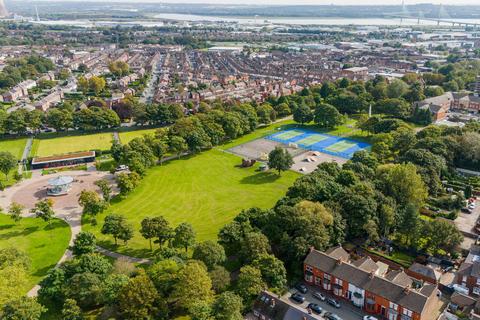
point(468, 223)
point(321, 299)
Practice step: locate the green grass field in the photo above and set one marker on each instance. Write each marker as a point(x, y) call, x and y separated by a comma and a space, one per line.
point(127, 136)
point(43, 244)
point(66, 144)
point(207, 190)
point(14, 146)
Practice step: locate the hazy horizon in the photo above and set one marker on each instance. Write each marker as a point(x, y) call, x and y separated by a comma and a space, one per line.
point(292, 2)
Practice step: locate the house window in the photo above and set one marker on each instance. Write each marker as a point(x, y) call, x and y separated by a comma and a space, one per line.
point(478, 281)
point(407, 312)
point(394, 306)
point(339, 281)
point(308, 268)
point(327, 276)
point(308, 277)
point(318, 281)
point(464, 279)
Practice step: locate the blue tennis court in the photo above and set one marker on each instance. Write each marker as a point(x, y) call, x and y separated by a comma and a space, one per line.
point(314, 141)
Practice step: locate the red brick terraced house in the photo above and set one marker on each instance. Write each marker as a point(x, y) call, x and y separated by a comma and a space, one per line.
point(390, 295)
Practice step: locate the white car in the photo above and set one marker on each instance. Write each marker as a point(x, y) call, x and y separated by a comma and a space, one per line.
point(369, 318)
point(319, 296)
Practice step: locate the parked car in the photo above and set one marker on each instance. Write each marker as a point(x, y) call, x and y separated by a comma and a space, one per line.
point(297, 297)
point(121, 167)
point(301, 287)
point(318, 295)
point(467, 210)
point(333, 302)
point(369, 318)
point(331, 316)
point(315, 308)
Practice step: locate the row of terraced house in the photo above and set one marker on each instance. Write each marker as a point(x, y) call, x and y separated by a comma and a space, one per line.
point(371, 286)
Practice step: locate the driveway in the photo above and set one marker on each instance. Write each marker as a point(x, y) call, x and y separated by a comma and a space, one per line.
point(466, 222)
point(347, 310)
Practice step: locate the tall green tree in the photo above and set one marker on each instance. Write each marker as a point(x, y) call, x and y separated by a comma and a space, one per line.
point(8, 162)
point(280, 159)
point(184, 236)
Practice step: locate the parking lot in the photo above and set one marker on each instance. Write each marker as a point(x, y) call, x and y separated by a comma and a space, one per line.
point(347, 310)
point(466, 222)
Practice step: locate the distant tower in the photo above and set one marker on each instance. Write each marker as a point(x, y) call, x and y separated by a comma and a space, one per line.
point(36, 13)
point(3, 9)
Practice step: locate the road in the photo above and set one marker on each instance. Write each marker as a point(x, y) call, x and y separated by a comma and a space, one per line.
point(347, 310)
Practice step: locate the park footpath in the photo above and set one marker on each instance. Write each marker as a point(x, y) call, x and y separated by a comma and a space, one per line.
point(71, 214)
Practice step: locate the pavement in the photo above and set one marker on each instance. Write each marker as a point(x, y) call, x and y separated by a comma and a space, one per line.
point(347, 310)
point(466, 222)
point(28, 192)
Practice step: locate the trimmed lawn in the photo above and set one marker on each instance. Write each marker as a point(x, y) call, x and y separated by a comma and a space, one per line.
point(43, 244)
point(68, 144)
point(207, 190)
point(14, 146)
point(127, 136)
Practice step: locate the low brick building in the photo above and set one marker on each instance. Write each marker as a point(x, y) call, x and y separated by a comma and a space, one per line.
point(392, 295)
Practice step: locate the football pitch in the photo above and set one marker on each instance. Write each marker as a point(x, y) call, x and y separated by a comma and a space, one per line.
point(311, 140)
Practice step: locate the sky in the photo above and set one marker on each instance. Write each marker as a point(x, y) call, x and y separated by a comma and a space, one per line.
point(321, 2)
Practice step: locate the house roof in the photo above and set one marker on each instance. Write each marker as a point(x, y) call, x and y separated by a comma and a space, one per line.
point(270, 306)
point(399, 293)
point(426, 271)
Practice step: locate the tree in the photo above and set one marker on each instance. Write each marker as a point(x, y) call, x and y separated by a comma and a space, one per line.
point(441, 234)
point(163, 231)
point(266, 114)
point(164, 274)
point(148, 229)
point(177, 145)
point(105, 188)
point(96, 84)
point(228, 306)
point(71, 311)
point(249, 284)
point(126, 232)
point(86, 288)
point(396, 89)
point(23, 308)
point(302, 114)
point(59, 119)
point(15, 211)
point(85, 242)
point(113, 285)
point(210, 253)
point(220, 278)
point(395, 107)
point(254, 244)
point(327, 116)
point(140, 300)
point(92, 203)
point(272, 269)
point(184, 236)
point(7, 163)
point(82, 84)
point(127, 182)
point(117, 226)
point(44, 210)
point(193, 286)
point(280, 159)
point(403, 183)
